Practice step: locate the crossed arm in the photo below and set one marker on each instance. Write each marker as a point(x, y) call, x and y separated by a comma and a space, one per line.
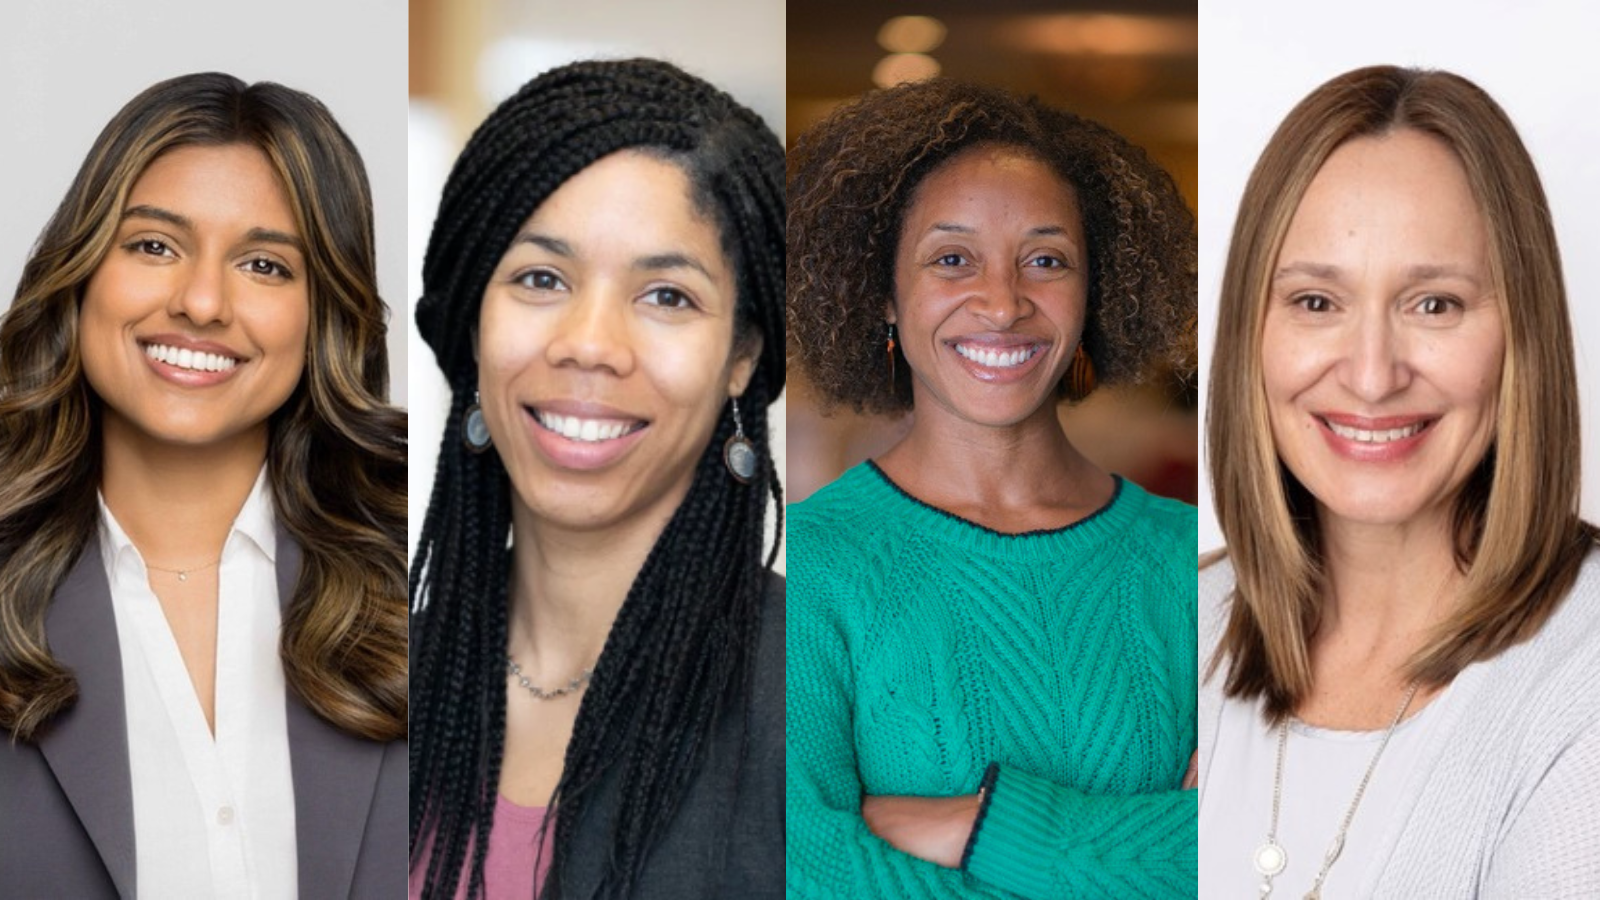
point(1027, 836)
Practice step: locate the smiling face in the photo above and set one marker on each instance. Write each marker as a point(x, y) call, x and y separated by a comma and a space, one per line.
point(1383, 339)
point(991, 282)
point(193, 327)
point(605, 345)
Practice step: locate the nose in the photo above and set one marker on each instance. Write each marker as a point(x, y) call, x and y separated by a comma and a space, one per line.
point(999, 298)
point(592, 332)
point(201, 294)
point(1374, 363)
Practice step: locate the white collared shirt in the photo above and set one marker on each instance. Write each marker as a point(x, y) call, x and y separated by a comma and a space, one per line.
point(213, 817)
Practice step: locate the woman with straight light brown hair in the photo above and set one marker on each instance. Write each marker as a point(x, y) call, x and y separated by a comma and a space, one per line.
point(202, 509)
point(1403, 634)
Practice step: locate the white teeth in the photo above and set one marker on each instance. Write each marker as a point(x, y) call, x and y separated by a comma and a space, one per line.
point(588, 431)
point(1365, 436)
point(193, 360)
point(996, 360)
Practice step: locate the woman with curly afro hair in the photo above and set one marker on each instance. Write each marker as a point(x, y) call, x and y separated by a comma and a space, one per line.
point(991, 657)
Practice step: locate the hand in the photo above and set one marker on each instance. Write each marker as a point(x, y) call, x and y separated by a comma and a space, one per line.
point(1191, 779)
point(932, 828)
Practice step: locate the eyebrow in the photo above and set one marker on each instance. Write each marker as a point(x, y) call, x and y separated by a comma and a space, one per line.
point(660, 261)
point(1036, 231)
point(253, 236)
point(1419, 272)
point(558, 247)
point(655, 262)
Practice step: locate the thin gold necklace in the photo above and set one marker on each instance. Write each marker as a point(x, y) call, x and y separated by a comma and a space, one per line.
point(183, 574)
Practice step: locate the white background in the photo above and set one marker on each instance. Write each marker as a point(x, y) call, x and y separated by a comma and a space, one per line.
point(737, 45)
point(1539, 60)
point(67, 67)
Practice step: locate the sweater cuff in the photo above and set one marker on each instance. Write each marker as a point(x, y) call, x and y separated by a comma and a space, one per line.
point(1003, 849)
point(985, 794)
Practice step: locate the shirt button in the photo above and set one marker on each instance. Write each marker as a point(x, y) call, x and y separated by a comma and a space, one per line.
point(225, 815)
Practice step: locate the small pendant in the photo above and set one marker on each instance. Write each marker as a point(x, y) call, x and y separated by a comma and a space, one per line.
point(1314, 894)
point(1270, 859)
point(183, 576)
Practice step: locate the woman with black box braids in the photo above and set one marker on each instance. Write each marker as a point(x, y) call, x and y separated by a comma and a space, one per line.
point(691, 666)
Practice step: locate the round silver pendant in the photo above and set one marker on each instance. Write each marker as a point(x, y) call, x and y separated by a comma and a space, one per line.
point(1270, 859)
point(740, 458)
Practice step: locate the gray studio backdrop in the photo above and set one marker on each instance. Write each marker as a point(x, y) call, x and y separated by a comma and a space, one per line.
point(67, 67)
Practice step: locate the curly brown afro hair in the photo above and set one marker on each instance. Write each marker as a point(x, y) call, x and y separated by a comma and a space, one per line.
point(851, 178)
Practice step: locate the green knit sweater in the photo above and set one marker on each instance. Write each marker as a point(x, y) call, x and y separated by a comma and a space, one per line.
point(928, 655)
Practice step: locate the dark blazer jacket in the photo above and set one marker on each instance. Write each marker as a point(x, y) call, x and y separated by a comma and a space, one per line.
point(66, 801)
point(716, 850)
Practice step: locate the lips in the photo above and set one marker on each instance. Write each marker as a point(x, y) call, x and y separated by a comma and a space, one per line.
point(194, 360)
point(1375, 439)
point(1001, 358)
point(582, 436)
point(189, 362)
point(589, 430)
point(997, 358)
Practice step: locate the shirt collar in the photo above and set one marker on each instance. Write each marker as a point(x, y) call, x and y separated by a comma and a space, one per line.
point(254, 523)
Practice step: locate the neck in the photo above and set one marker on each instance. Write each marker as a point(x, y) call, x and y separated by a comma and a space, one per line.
point(568, 585)
point(177, 502)
point(1020, 466)
point(1389, 584)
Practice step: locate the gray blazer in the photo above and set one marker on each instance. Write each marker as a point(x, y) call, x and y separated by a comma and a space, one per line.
point(66, 801)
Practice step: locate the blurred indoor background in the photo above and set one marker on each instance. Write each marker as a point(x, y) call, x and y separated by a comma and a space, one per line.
point(468, 55)
point(1132, 67)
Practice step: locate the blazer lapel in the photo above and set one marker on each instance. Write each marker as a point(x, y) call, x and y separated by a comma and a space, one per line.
point(87, 746)
point(335, 775)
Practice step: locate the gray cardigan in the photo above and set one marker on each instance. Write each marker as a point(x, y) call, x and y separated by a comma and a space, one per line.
point(66, 801)
point(1506, 805)
point(715, 850)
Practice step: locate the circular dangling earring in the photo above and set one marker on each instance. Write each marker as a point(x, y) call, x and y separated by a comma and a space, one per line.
point(738, 454)
point(475, 431)
point(890, 351)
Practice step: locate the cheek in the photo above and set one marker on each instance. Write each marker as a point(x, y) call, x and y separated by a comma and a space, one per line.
point(687, 370)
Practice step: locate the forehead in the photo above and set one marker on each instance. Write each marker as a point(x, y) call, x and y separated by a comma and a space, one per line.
point(231, 185)
point(1401, 197)
point(995, 182)
point(630, 200)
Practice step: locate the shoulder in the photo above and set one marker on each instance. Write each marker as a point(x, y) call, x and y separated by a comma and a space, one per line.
point(1159, 530)
point(843, 502)
point(840, 540)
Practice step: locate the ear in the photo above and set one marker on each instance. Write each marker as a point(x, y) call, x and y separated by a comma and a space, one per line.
point(890, 316)
point(746, 353)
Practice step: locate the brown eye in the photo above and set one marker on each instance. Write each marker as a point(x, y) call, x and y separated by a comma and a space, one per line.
point(1316, 303)
point(268, 268)
point(150, 247)
point(540, 280)
point(668, 298)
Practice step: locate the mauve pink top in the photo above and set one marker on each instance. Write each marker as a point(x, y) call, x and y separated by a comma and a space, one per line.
point(508, 871)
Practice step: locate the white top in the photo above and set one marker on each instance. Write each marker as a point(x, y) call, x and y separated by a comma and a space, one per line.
point(1491, 791)
point(212, 817)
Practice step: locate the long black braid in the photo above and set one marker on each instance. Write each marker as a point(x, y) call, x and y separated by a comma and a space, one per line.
point(680, 652)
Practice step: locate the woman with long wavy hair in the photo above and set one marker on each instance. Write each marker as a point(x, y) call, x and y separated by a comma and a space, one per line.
point(600, 706)
point(202, 501)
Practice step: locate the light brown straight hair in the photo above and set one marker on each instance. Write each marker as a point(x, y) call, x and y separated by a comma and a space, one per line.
point(336, 455)
point(1518, 539)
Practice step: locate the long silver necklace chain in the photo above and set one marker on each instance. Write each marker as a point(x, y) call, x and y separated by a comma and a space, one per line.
point(573, 684)
point(1270, 858)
